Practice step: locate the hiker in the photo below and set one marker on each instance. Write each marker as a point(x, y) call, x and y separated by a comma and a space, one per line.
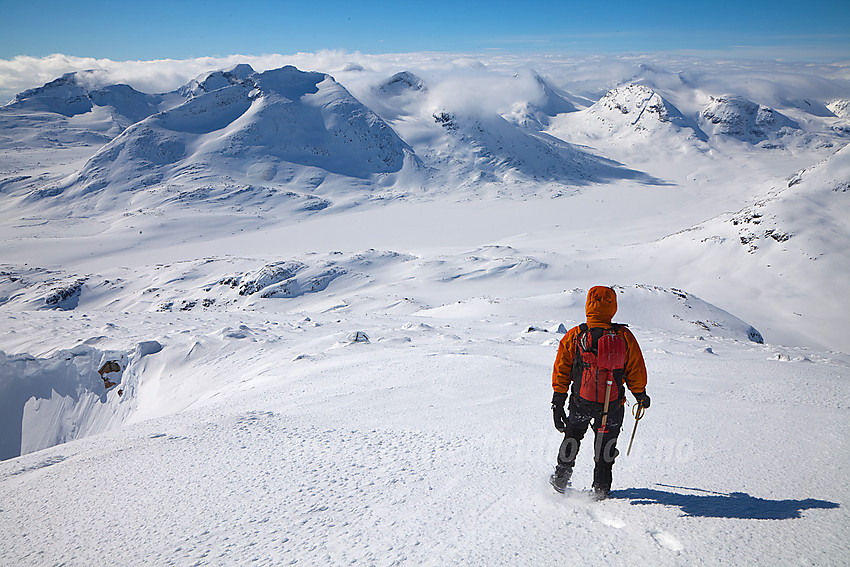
point(586, 356)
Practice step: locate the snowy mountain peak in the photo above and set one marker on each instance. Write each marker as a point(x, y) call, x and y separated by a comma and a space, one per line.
point(239, 127)
point(635, 107)
point(555, 101)
point(840, 107)
point(214, 80)
point(537, 115)
point(746, 120)
point(68, 95)
point(77, 108)
point(293, 84)
point(402, 82)
point(636, 101)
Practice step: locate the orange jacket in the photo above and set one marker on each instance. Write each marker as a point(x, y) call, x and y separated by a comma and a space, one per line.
point(600, 309)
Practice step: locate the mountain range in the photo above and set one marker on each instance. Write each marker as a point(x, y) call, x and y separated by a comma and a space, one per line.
point(265, 149)
point(299, 130)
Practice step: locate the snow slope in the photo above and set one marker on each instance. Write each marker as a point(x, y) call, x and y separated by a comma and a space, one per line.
point(331, 313)
point(430, 444)
point(796, 230)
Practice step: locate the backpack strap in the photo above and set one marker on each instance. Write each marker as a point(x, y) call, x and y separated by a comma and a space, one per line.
point(589, 337)
point(577, 355)
point(578, 365)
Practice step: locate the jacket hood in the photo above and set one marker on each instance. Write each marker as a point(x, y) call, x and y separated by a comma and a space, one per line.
point(601, 306)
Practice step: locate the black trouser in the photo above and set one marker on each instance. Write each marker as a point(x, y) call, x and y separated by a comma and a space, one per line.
point(582, 413)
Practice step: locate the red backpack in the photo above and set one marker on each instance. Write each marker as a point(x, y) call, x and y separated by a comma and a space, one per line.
point(600, 357)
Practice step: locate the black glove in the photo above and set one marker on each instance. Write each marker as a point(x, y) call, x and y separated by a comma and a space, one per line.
point(642, 399)
point(558, 413)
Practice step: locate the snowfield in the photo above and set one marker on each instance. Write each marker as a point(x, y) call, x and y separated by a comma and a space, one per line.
point(325, 310)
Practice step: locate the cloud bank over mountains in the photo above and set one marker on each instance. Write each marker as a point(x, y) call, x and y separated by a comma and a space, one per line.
point(594, 73)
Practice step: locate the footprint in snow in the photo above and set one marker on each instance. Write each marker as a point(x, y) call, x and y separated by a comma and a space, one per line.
point(607, 520)
point(666, 540)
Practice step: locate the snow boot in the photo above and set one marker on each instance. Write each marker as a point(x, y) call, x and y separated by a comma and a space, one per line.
point(601, 492)
point(561, 479)
point(602, 480)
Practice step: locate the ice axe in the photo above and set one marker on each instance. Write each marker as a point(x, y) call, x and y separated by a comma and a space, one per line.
point(610, 355)
point(638, 412)
point(602, 429)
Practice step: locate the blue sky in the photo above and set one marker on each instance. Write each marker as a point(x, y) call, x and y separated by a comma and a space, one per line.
point(154, 29)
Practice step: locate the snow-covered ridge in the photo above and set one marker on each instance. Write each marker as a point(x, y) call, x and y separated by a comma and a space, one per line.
point(350, 283)
point(498, 151)
point(75, 110)
point(61, 397)
point(840, 107)
point(746, 120)
point(286, 122)
point(796, 230)
point(786, 211)
point(73, 94)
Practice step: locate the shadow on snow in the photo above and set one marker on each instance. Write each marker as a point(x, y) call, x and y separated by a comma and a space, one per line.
point(710, 504)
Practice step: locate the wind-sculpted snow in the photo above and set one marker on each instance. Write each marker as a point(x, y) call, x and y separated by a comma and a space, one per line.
point(38, 288)
point(269, 274)
point(47, 401)
point(285, 279)
point(358, 283)
point(643, 306)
